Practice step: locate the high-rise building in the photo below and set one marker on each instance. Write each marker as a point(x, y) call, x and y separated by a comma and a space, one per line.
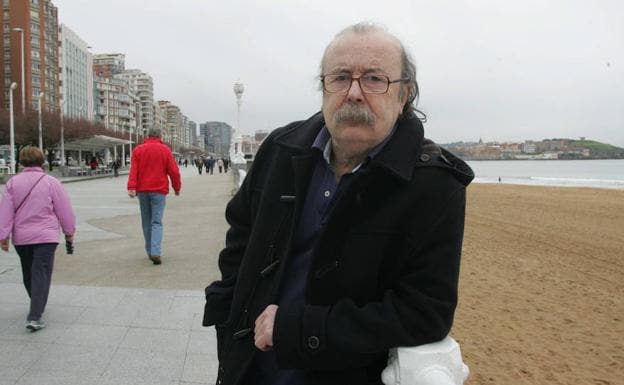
point(142, 85)
point(115, 105)
point(192, 133)
point(37, 22)
point(217, 136)
point(108, 64)
point(76, 77)
point(160, 122)
point(173, 126)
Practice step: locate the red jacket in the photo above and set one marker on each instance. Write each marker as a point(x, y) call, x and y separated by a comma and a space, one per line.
point(151, 162)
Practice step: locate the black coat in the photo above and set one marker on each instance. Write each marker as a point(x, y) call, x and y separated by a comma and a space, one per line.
point(384, 270)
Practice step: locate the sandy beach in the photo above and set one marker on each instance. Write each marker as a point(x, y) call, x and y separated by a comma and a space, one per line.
point(542, 284)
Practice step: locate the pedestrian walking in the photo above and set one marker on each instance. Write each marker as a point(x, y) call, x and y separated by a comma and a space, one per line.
point(212, 164)
point(93, 165)
point(34, 209)
point(345, 237)
point(116, 164)
point(152, 163)
point(199, 163)
point(220, 165)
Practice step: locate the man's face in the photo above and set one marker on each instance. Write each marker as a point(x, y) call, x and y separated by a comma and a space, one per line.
point(359, 121)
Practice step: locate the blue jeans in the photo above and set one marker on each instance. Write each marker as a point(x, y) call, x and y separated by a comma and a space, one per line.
point(152, 210)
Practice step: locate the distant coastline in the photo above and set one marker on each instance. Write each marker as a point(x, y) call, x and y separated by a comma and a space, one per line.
point(547, 149)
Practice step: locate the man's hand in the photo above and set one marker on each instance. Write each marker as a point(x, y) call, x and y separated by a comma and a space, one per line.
point(263, 338)
point(131, 193)
point(69, 238)
point(4, 244)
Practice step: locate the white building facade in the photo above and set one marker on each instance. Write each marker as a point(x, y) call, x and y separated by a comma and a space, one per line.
point(76, 75)
point(142, 86)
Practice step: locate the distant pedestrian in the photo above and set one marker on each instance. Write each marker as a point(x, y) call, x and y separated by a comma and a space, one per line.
point(34, 209)
point(499, 179)
point(152, 163)
point(185, 163)
point(116, 164)
point(206, 164)
point(93, 165)
point(212, 164)
point(199, 164)
point(226, 164)
point(220, 165)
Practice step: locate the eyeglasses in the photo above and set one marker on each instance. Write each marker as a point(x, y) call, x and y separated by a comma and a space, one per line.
point(369, 84)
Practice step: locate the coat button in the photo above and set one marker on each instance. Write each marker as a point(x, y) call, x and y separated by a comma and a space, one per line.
point(313, 342)
point(425, 157)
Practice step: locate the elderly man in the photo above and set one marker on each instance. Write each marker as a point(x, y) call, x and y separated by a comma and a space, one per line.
point(152, 162)
point(345, 237)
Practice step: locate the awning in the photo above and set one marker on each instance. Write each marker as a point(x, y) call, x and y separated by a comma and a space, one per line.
point(94, 143)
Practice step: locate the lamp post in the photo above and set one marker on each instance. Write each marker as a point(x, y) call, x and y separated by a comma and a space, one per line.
point(238, 91)
point(62, 136)
point(40, 127)
point(12, 127)
point(21, 31)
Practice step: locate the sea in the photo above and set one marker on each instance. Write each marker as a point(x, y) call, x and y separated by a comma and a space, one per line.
point(600, 173)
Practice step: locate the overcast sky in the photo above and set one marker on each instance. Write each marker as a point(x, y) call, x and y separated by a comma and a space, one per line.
point(497, 70)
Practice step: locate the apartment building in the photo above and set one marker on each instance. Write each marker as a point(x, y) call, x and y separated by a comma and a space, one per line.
point(108, 64)
point(116, 107)
point(142, 86)
point(76, 76)
point(35, 23)
point(217, 136)
point(173, 123)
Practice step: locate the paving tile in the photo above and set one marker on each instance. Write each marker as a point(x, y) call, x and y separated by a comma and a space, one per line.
point(189, 304)
point(89, 296)
point(198, 369)
point(11, 313)
point(150, 299)
point(146, 365)
point(20, 354)
point(164, 319)
point(56, 313)
point(57, 379)
point(10, 375)
point(136, 381)
point(13, 293)
point(156, 340)
point(203, 342)
point(10, 273)
point(61, 294)
point(18, 332)
point(120, 315)
point(70, 360)
point(93, 335)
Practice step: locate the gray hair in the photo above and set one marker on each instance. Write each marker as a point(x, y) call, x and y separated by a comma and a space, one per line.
point(154, 132)
point(408, 67)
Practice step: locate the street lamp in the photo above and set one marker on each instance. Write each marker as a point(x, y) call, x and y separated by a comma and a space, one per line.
point(40, 128)
point(62, 135)
point(21, 31)
point(12, 128)
point(238, 91)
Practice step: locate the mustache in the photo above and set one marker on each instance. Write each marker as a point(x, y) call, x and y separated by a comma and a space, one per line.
point(353, 113)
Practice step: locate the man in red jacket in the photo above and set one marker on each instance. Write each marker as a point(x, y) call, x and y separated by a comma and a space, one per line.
point(151, 163)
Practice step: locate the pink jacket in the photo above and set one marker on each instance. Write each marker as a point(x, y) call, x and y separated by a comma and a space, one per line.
point(43, 213)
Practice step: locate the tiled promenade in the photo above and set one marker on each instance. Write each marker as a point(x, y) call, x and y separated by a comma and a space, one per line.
point(112, 316)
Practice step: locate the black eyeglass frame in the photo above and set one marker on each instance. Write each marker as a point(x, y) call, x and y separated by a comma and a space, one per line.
point(346, 90)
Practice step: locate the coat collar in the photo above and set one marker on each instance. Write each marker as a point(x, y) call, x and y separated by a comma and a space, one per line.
point(399, 155)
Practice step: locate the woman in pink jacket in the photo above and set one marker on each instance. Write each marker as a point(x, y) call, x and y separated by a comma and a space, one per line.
point(33, 210)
